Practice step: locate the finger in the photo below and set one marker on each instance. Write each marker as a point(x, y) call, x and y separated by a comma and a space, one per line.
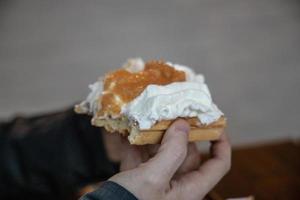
point(210, 173)
point(112, 142)
point(144, 152)
point(220, 157)
point(152, 149)
point(131, 156)
point(171, 153)
point(192, 160)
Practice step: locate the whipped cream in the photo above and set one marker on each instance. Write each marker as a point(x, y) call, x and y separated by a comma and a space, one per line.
point(179, 99)
point(90, 104)
point(134, 65)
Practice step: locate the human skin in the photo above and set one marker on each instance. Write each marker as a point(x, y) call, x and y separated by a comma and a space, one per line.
point(173, 169)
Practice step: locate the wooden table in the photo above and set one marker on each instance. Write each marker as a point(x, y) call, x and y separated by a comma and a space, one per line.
point(269, 171)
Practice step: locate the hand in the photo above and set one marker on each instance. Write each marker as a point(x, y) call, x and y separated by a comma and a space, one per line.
point(174, 171)
point(118, 148)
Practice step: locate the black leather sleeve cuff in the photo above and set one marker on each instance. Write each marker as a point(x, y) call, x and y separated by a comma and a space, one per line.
point(109, 191)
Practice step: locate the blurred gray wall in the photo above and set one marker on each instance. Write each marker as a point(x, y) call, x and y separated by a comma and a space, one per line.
point(249, 51)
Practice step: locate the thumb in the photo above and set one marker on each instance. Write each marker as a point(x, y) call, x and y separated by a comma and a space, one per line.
point(171, 153)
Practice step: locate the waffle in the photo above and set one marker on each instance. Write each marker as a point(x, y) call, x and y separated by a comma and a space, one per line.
point(122, 86)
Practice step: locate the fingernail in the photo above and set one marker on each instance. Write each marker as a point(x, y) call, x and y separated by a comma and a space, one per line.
point(183, 128)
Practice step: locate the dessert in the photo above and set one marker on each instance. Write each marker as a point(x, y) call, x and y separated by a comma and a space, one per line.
point(141, 100)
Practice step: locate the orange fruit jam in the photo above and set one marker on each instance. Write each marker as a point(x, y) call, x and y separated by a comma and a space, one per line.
point(122, 86)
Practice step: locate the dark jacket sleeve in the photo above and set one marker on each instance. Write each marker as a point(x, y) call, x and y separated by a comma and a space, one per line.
point(109, 191)
point(50, 156)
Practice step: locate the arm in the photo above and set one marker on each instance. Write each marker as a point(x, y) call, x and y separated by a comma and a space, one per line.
point(51, 155)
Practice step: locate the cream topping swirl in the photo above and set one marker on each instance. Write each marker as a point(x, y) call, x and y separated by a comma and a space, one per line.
point(179, 99)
